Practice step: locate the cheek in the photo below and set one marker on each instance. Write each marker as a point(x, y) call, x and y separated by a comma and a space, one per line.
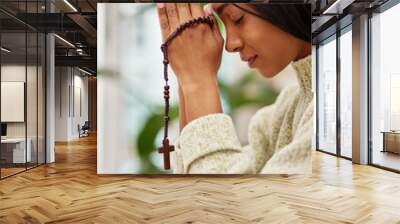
point(269, 52)
point(274, 49)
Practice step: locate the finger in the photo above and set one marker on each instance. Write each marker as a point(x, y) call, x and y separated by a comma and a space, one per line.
point(184, 12)
point(208, 11)
point(172, 13)
point(215, 30)
point(196, 10)
point(164, 24)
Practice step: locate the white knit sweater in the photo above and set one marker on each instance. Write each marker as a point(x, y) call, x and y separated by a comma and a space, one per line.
point(279, 136)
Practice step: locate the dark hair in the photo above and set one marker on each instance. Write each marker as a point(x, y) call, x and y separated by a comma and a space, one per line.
point(292, 18)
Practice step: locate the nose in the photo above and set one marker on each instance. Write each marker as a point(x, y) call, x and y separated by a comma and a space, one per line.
point(233, 42)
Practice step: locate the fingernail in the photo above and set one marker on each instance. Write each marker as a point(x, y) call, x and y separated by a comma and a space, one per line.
point(160, 5)
point(208, 10)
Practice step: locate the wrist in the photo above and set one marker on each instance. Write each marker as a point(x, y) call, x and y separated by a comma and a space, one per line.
point(208, 84)
point(201, 98)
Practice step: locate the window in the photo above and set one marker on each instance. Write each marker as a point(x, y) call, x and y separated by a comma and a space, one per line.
point(346, 92)
point(327, 95)
point(385, 89)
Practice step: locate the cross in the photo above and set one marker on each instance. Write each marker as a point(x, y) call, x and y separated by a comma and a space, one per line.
point(166, 149)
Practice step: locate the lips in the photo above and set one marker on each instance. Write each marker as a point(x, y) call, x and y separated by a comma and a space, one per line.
point(250, 60)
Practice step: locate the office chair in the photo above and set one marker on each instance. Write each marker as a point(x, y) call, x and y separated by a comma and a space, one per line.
point(84, 130)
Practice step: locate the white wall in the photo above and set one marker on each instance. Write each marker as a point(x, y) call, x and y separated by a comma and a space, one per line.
point(12, 100)
point(61, 103)
point(70, 83)
point(80, 83)
point(33, 126)
point(12, 73)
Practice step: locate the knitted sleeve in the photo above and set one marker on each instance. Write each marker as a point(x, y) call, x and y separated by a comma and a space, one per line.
point(209, 145)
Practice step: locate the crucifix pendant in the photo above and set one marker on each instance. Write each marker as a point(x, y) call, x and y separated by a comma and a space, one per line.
point(166, 149)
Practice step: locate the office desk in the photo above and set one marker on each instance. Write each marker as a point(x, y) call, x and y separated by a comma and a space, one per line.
point(391, 141)
point(13, 150)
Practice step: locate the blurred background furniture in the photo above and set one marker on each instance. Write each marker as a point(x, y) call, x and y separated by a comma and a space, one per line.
point(13, 151)
point(391, 141)
point(84, 130)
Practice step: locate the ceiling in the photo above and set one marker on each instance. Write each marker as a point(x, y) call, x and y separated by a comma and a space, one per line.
point(332, 15)
point(74, 22)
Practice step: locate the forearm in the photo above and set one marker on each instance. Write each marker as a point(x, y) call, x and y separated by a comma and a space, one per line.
point(201, 98)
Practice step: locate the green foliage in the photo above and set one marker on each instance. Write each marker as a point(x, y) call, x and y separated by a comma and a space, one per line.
point(237, 95)
point(146, 141)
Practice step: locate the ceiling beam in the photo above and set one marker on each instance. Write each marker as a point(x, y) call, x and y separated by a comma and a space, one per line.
point(82, 61)
point(86, 26)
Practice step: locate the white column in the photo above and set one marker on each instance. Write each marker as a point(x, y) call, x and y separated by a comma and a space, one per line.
point(360, 90)
point(50, 99)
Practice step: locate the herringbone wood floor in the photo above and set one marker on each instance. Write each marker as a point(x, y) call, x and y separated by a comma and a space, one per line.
point(69, 191)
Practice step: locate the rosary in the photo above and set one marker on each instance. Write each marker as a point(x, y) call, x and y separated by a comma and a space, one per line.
point(166, 148)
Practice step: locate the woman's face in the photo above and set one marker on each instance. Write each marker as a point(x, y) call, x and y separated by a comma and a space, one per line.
point(260, 43)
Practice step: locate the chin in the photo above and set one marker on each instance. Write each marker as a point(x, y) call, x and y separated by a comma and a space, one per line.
point(267, 73)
